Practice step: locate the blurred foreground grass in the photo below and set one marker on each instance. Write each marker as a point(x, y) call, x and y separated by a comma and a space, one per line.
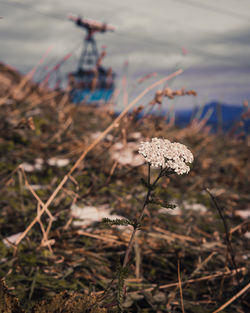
point(46, 134)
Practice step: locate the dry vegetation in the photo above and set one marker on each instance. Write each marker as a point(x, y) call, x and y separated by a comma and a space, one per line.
point(193, 258)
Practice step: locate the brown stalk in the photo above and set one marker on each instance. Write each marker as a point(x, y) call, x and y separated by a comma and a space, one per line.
point(39, 204)
point(33, 191)
point(111, 171)
point(200, 266)
point(233, 298)
point(180, 287)
point(228, 273)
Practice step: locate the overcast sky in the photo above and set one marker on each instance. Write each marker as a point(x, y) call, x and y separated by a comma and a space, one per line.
point(150, 36)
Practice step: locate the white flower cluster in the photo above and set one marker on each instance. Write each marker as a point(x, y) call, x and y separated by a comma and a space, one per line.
point(165, 154)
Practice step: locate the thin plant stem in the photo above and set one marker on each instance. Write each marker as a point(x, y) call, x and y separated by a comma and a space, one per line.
point(228, 241)
point(180, 287)
point(149, 174)
point(138, 221)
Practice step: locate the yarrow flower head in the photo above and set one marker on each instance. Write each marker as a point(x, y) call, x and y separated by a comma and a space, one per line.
point(163, 153)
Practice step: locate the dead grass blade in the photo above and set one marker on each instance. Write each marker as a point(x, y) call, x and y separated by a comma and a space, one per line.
point(227, 273)
point(238, 294)
point(180, 287)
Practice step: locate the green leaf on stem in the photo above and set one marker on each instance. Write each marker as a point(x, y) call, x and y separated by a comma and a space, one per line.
point(118, 222)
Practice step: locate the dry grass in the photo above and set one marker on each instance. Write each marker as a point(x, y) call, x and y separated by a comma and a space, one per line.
point(182, 262)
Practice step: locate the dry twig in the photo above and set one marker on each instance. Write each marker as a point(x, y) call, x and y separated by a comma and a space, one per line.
point(238, 294)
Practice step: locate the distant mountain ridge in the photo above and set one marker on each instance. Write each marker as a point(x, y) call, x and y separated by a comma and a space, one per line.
point(219, 115)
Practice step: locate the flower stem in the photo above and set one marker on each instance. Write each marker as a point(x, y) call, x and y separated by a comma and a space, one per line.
point(139, 219)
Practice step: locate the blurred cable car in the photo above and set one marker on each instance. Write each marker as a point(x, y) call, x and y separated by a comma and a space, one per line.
point(91, 82)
